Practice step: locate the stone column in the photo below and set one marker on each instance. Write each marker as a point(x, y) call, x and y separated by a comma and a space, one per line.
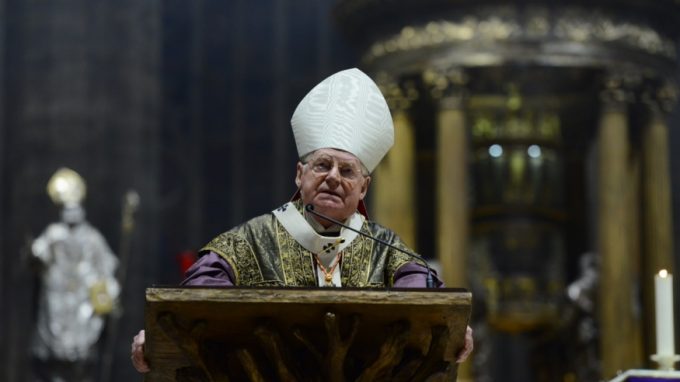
point(618, 324)
point(452, 175)
point(657, 208)
point(394, 179)
point(633, 216)
point(451, 182)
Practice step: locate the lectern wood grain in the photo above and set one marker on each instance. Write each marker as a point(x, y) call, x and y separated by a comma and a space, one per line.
point(294, 334)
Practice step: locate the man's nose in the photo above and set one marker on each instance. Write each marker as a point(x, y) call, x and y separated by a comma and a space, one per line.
point(333, 177)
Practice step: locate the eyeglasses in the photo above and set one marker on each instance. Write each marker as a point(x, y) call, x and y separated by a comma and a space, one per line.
point(325, 164)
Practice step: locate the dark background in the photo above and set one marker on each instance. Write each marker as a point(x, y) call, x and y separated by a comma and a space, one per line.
point(186, 102)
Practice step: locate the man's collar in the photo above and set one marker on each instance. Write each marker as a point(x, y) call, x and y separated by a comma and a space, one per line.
point(291, 218)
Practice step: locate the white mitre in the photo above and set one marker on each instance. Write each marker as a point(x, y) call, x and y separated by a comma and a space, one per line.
point(346, 111)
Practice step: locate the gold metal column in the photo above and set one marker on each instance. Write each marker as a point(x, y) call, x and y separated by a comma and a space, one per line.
point(618, 341)
point(395, 177)
point(657, 208)
point(634, 236)
point(452, 167)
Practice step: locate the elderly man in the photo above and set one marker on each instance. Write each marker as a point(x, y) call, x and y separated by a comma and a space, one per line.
point(342, 130)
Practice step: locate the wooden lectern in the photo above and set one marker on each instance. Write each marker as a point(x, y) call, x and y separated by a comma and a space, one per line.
point(295, 334)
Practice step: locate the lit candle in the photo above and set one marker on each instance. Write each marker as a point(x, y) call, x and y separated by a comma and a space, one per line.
point(665, 337)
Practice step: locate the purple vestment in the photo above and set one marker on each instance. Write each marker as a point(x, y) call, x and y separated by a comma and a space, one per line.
point(212, 270)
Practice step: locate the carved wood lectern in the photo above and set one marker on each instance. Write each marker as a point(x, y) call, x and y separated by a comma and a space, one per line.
point(295, 334)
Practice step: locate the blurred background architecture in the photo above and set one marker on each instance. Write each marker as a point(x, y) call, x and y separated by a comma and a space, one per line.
point(533, 155)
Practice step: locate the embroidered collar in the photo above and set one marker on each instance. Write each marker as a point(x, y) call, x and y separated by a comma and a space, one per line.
point(326, 247)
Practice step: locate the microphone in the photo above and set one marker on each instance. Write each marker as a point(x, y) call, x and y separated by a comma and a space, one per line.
point(429, 281)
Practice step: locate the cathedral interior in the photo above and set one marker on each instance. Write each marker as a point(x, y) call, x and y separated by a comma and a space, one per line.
point(533, 160)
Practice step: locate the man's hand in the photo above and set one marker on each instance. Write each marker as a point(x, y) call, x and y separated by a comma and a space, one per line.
point(467, 349)
point(137, 353)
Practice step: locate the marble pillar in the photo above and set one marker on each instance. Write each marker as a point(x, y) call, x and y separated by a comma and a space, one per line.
point(618, 324)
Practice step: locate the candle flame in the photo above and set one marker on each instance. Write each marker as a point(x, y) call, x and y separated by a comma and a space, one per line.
point(663, 273)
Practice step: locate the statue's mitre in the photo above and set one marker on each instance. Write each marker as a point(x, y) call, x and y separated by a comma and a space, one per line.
point(66, 187)
point(346, 111)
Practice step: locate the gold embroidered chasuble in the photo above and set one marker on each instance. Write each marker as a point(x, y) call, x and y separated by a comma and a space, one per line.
point(262, 252)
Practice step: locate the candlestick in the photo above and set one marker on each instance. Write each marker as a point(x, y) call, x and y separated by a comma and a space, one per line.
point(665, 337)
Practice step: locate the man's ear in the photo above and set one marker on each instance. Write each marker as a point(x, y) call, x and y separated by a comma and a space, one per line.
point(298, 174)
point(364, 188)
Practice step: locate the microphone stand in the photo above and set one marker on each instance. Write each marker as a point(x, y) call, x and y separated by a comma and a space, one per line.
point(429, 281)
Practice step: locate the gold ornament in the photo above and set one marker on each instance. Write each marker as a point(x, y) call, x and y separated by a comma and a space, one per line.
point(101, 300)
point(66, 187)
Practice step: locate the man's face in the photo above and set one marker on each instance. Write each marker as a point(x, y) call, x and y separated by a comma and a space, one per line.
point(333, 182)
